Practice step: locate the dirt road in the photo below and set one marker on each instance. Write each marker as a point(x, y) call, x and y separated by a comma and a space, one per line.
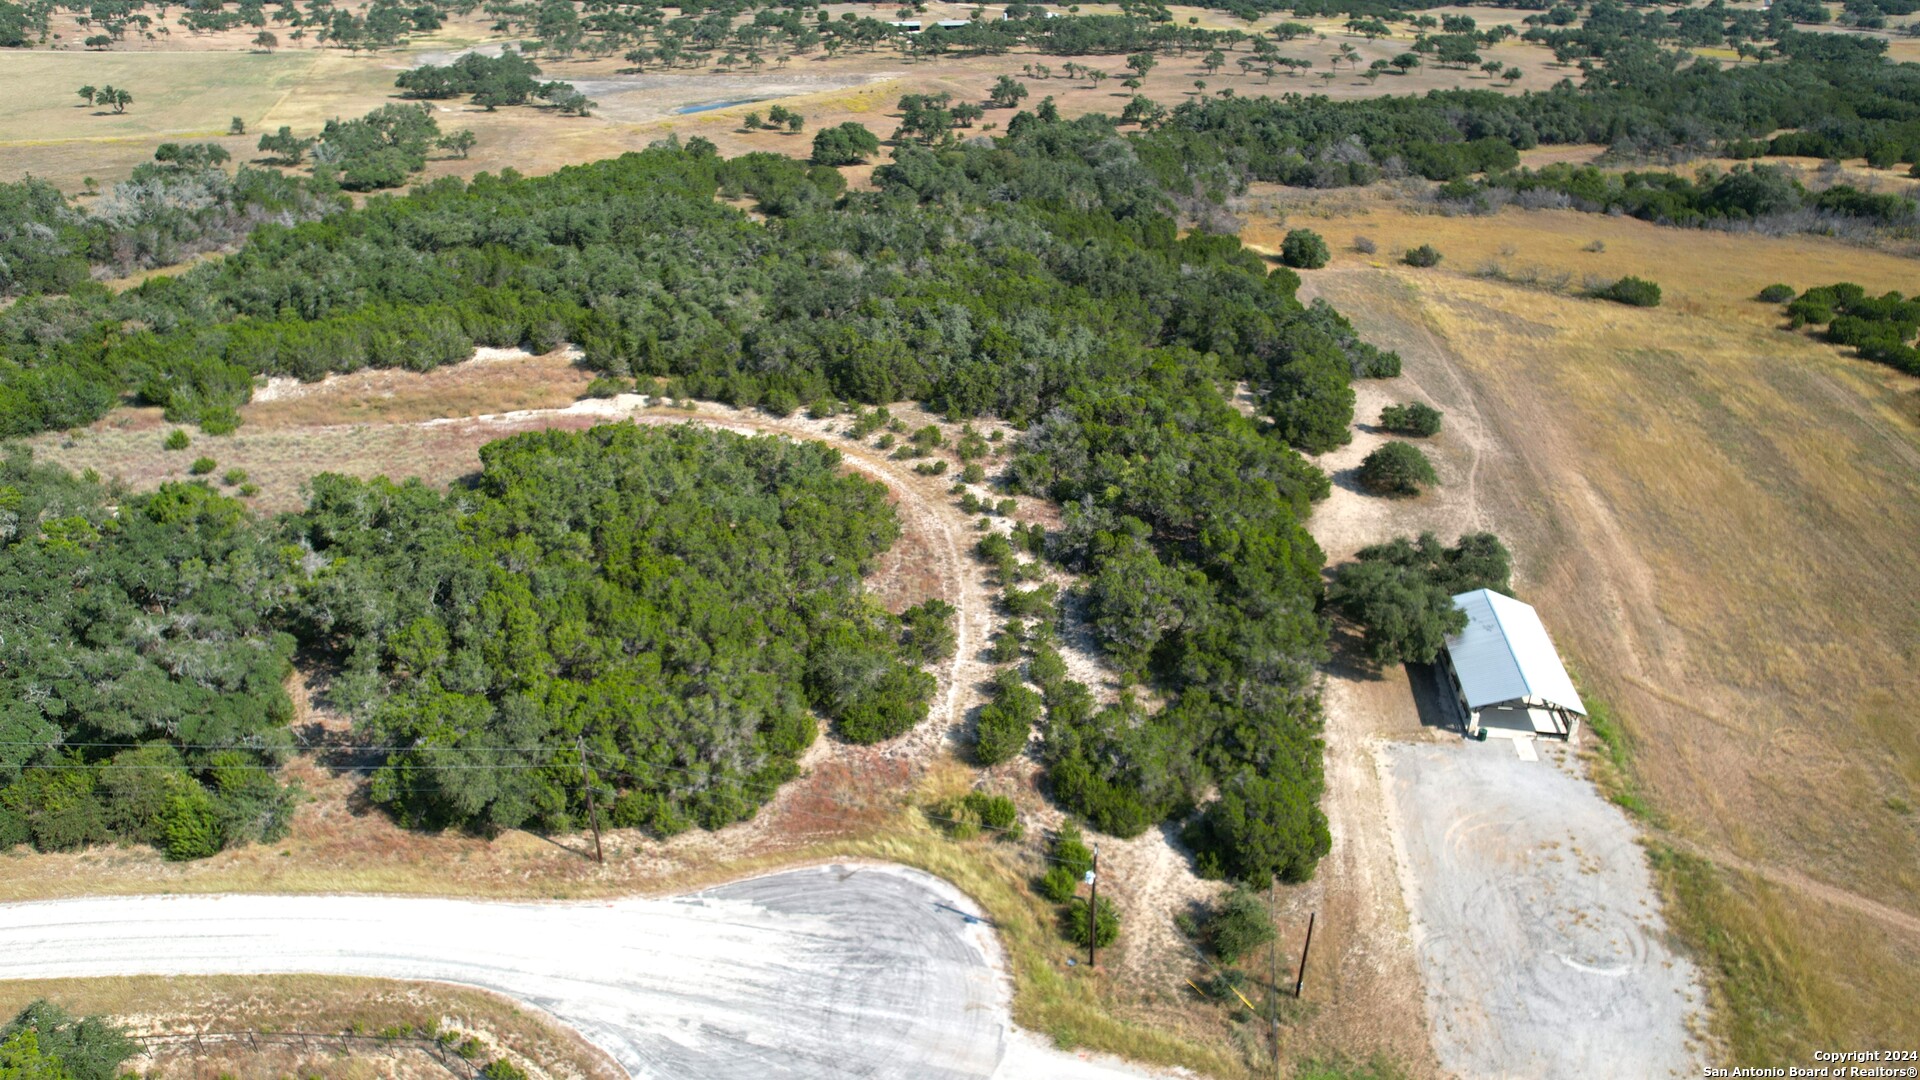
point(826, 972)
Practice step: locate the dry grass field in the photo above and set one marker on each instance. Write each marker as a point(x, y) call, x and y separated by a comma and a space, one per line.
point(1720, 520)
point(189, 86)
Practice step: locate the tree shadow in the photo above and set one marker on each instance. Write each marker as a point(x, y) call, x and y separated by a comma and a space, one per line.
point(1433, 699)
point(1349, 655)
point(1348, 479)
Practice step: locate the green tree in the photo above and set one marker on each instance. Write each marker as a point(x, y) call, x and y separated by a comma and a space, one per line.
point(459, 142)
point(846, 144)
point(1006, 93)
point(87, 93)
point(1401, 592)
point(1304, 249)
point(284, 147)
point(1397, 468)
point(928, 630)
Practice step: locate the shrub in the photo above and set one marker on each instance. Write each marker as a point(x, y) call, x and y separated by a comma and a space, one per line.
point(1105, 923)
point(1414, 418)
point(1397, 469)
point(896, 702)
point(502, 1069)
point(190, 824)
point(1070, 852)
point(1365, 245)
point(1304, 249)
point(995, 812)
point(1422, 256)
point(606, 386)
point(1031, 603)
point(234, 476)
point(1006, 722)
point(72, 1047)
point(927, 630)
point(974, 473)
point(1260, 828)
point(1637, 292)
point(1005, 648)
point(177, 439)
point(202, 466)
point(1238, 925)
point(1057, 884)
point(1776, 294)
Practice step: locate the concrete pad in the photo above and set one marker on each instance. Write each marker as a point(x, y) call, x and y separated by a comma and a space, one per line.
point(1538, 933)
point(1523, 749)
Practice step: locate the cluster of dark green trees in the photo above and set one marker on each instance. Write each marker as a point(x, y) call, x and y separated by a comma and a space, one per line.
point(140, 666)
point(677, 604)
point(45, 1042)
point(668, 608)
point(490, 82)
point(1879, 328)
point(1744, 193)
point(1401, 593)
point(1835, 95)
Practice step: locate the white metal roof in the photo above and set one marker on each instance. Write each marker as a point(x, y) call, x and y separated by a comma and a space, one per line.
point(1504, 654)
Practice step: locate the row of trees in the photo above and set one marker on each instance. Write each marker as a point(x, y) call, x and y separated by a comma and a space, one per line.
point(1743, 194)
point(116, 98)
point(1879, 328)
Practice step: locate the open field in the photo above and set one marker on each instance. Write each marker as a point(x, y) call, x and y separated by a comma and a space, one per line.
point(188, 86)
point(1717, 521)
point(173, 1009)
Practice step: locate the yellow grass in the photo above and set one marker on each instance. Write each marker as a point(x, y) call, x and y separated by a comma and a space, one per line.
point(1720, 521)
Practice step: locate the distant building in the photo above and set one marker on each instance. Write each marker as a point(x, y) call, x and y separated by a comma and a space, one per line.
point(911, 26)
point(953, 24)
point(1505, 671)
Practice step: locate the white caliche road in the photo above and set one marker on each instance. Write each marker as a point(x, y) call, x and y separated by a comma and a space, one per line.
point(842, 971)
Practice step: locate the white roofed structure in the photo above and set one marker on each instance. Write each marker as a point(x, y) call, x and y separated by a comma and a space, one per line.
point(1505, 670)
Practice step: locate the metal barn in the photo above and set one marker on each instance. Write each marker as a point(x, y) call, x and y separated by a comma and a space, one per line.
point(1506, 673)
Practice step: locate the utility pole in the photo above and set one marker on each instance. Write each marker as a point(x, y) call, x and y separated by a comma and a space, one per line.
point(1093, 907)
point(593, 813)
point(1273, 975)
point(1302, 980)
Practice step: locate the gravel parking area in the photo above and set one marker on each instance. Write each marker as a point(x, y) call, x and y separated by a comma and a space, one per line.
point(1535, 923)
